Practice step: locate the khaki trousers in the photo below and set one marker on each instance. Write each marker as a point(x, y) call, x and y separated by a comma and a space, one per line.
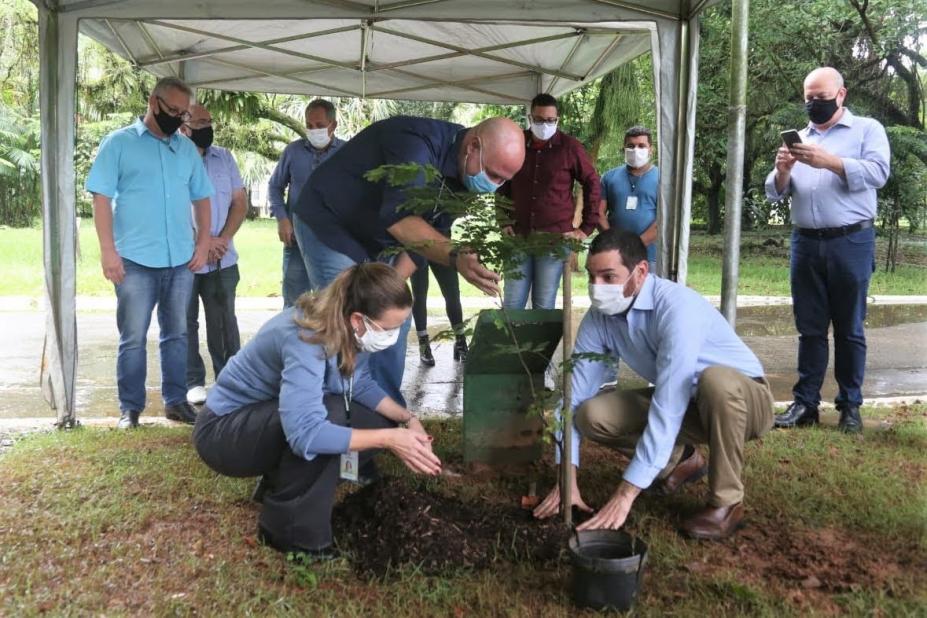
point(728, 409)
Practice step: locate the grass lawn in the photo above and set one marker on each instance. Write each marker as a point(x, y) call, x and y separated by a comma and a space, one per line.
point(95, 521)
point(764, 267)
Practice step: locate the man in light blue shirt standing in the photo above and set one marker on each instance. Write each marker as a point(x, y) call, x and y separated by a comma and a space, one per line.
point(143, 180)
point(832, 177)
point(297, 163)
point(217, 281)
point(629, 192)
point(709, 388)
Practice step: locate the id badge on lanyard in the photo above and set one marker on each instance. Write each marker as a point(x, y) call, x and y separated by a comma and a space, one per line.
point(349, 461)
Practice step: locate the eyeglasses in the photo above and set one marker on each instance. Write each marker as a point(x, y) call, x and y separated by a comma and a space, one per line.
point(173, 111)
point(539, 120)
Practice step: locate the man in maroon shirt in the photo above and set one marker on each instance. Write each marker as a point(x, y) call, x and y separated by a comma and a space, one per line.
point(542, 194)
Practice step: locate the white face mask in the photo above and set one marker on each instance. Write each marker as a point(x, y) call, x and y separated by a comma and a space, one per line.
point(319, 138)
point(543, 131)
point(375, 340)
point(637, 157)
point(609, 298)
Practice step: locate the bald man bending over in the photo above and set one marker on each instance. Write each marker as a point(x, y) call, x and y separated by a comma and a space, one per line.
point(342, 219)
point(832, 178)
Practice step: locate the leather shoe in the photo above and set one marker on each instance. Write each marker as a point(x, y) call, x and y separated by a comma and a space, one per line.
point(714, 523)
point(850, 421)
point(796, 415)
point(321, 554)
point(182, 412)
point(424, 352)
point(128, 420)
point(688, 470)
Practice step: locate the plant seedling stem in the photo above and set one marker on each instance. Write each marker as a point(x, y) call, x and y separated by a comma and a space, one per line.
point(566, 500)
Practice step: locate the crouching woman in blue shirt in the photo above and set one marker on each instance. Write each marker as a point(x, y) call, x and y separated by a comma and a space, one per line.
point(298, 398)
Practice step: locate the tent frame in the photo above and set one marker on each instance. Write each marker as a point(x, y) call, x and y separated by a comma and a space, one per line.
point(674, 47)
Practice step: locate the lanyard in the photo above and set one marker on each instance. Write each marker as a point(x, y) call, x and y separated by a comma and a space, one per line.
point(348, 394)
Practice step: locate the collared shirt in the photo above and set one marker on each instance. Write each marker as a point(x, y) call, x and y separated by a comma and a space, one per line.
point(351, 214)
point(151, 182)
point(226, 180)
point(821, 198)
point(298, 161)
point(542, 190)
point(278, 363)
point(668, 337)
point(617, 185)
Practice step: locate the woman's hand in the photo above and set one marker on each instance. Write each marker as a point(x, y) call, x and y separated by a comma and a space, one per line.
point(414, 449)
point(416, 425)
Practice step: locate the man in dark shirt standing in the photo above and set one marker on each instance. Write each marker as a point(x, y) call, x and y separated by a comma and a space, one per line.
point(343, 219)
point(542, 193)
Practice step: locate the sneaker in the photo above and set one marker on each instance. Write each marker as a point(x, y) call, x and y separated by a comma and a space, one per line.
point(197, 395)
point(128, 420)
point(182, 412)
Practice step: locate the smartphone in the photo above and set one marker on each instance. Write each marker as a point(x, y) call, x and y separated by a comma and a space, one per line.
point(790, 137)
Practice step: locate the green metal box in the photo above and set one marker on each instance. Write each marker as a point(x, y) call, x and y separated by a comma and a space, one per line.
point(497, 384)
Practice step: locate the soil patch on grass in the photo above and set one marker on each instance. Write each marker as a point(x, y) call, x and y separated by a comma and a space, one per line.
point(389, 524)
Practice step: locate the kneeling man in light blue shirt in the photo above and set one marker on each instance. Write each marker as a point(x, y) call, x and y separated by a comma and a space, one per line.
point(709, 388)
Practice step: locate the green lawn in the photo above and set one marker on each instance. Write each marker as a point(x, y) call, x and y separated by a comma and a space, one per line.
point(764, 268)
point(96, 521)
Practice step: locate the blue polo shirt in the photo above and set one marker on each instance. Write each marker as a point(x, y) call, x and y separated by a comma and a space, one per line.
point(617, 185)
point(151, 182)
point(350, 214)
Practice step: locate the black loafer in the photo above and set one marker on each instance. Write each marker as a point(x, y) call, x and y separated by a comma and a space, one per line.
point(128, 420)
point(182, 412)
point(322, 554)
point(797, 415)
point(850, 420)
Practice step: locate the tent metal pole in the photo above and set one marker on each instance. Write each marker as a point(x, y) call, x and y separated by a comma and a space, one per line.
point(682, 97)
point(566, 411)
point(736, 127)
point(57, 78)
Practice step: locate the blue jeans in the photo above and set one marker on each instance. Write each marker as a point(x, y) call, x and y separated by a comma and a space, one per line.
point(295, 278)
point(830, 281)
point(136, 297)
point(540, 278)
point(324, 264)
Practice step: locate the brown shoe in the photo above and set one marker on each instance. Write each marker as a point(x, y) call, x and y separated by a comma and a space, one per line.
point(714, 523)
point(688, 470)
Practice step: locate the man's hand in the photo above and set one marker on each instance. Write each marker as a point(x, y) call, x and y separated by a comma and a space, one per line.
point(508, 230)
point(551, 503)
point(785, 161)
point(615, 511)
point(577, 234)
point(218, 247)
point(285, 231)
point(815, 156)
point(113, 268)
point(469, 267)
point(200, 256)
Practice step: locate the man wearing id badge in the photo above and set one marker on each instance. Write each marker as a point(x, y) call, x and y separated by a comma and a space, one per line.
point(629, 192)
point(298, 407)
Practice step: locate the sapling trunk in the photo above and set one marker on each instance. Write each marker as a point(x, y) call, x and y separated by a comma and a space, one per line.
point(566, 414)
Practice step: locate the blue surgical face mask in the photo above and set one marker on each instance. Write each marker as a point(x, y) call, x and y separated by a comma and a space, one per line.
point(479, 183)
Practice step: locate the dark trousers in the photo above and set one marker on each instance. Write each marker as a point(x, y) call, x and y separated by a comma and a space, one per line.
point(830, 282)
point(250, 442)
point(450, 290)
point(217, 289)
point(295, 277)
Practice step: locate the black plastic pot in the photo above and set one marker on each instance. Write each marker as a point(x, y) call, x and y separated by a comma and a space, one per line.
point(607, 568)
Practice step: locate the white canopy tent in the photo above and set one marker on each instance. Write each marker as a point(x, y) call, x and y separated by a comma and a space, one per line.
point(483, 51)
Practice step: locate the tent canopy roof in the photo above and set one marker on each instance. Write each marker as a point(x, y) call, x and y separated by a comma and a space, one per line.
point(482, 51)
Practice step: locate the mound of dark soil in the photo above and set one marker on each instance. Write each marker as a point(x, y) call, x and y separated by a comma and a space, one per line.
point(389, 524)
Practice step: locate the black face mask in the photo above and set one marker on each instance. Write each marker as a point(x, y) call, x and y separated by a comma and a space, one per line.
point(202, 137)
point(167, 123)
point(821, 110)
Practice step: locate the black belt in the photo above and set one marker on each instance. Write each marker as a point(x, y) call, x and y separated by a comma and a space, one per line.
point(834, 232)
